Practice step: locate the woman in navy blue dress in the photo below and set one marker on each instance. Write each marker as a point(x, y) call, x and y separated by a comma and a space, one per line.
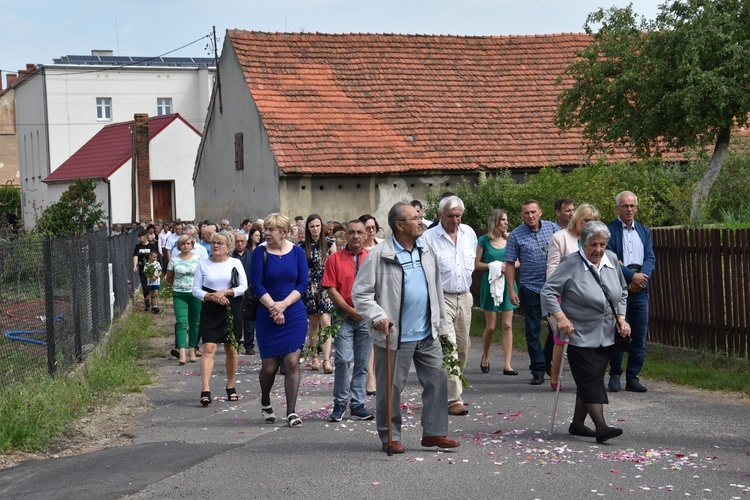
point(278, 273)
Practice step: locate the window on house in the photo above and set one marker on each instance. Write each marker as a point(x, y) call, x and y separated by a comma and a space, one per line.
point(163, 106)
point(104, 108)
point(239, 152)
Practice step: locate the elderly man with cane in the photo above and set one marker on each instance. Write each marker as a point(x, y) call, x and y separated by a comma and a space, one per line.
point(401, 275)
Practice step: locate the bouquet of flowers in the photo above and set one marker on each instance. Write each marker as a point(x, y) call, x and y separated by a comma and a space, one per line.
point(450, 360)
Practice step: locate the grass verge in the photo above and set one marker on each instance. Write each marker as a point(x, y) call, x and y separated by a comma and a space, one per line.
point(36, 411)
point(700, 370)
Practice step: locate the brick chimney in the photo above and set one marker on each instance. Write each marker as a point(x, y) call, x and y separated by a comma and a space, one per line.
point(10, 78)
point(143, 169)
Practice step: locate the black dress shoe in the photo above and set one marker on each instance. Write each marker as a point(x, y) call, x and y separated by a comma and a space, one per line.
point(537, 379)
point(608, 433)
point(634, 386)
point(485, 369)
point(581, 430)
point(509, 372)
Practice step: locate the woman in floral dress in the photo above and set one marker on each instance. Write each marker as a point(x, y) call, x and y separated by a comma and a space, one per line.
point(317, 302)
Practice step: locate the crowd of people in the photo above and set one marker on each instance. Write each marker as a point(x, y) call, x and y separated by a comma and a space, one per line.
point(273, 284)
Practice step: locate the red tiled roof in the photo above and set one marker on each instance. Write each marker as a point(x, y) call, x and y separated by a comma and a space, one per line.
point(108, 150)
point(370, 103)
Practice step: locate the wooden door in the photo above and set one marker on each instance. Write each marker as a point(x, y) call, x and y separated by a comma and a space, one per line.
point(162, 196)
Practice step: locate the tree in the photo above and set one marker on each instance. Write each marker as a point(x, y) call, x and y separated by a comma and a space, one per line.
point(76, 212)
point(676, 83)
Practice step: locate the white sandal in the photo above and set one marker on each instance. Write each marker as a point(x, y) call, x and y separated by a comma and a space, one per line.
point(293, 420)
point(268, 415)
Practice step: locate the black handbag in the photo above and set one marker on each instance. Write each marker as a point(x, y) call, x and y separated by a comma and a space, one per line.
point(622, 344)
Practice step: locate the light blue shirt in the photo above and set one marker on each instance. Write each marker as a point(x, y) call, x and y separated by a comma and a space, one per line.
point(632, 246)
point(530, 248)
point(415, 309)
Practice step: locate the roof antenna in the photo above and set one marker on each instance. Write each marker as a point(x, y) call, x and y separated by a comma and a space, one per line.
point(117, 37)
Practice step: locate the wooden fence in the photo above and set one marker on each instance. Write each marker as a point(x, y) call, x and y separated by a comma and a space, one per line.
point(700, 290)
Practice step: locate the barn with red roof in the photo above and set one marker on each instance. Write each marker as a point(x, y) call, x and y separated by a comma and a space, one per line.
point(347, 124)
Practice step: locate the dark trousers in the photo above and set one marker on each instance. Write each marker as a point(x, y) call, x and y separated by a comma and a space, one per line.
point(532, 310)
point(637, 317)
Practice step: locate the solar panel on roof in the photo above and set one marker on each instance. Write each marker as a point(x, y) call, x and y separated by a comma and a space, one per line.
point(136, 61)
point(115, 59)
point(81, 59)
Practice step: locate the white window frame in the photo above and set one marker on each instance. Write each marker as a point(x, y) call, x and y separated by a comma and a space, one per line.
point(104, 109)
point(163, 106)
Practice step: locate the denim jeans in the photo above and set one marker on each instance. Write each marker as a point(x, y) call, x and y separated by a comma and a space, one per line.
point(532, 312)
point(352, 342)
point(637, 317)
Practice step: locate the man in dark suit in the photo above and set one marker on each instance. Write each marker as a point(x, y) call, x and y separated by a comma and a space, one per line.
point(631, 241)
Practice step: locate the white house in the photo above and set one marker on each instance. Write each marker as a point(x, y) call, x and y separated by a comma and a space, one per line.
point(163, 184)
point(59, 107)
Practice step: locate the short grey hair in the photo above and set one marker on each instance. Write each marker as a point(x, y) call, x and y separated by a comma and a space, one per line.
point(617, 198)
point(594, 229)
point(396, 213)
point(449, 203)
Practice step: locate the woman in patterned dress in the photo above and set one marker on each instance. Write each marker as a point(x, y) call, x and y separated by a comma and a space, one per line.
point(187, 309)
point(317, 302)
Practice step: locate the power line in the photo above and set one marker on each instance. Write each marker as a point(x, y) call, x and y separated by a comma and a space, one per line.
point(118, 66)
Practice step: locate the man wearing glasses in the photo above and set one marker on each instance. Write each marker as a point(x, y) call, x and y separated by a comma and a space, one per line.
point(398, 288)
point(631, 241)
point(456, 247)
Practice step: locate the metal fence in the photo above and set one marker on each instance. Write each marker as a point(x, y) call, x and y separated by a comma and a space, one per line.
point(58, 297)
point(700, 292)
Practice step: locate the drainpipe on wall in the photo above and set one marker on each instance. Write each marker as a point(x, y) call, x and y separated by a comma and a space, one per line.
point(109, 204)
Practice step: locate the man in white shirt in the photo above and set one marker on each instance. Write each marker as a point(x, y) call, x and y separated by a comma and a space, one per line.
point(172, 241)
point(456, 247)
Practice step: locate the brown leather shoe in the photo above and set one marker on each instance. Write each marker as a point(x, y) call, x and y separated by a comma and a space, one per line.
point(439, 441)
point(457, 409)
point(396, 445)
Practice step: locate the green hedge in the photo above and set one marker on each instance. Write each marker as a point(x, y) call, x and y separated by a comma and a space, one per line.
point(664, 190)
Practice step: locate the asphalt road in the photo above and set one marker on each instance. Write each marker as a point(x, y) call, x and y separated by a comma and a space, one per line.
point(685, 443)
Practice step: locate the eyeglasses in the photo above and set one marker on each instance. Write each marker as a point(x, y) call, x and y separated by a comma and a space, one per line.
point(217, 243)
point(629, 207)
point(370, 229)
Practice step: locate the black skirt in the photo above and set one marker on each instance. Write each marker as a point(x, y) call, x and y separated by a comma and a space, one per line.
point(588, 366)
point(213, 321)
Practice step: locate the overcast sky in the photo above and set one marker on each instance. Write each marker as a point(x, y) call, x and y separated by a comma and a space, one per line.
point(38, 31)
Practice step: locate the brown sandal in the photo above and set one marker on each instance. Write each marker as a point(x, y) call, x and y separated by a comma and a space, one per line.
point(327, 367)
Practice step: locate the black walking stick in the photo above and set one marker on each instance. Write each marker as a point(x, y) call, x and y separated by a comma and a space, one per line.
point(388, 395)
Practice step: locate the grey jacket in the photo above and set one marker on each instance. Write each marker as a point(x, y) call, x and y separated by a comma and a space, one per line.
point(583, 301)
point(378, 291)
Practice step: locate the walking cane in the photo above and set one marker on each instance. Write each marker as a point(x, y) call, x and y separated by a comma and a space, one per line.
point(389, 390)
point(559, 383)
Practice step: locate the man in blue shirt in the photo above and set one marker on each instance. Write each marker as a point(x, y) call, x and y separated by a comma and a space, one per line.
point(528, 244)
point(398, 289)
